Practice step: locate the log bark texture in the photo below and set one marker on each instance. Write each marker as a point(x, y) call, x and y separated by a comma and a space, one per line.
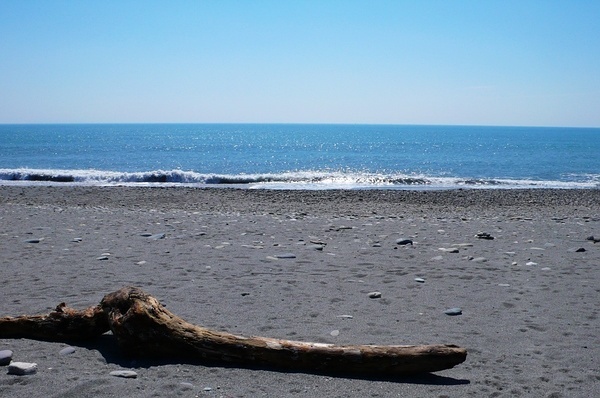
point(145, 328)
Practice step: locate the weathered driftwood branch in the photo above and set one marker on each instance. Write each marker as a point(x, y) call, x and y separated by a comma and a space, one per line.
point(143, 327)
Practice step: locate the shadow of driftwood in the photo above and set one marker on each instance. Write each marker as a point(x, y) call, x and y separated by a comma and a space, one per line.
point(107, 346)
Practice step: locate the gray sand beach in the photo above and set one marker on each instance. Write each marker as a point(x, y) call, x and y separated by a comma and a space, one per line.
point(300, 265)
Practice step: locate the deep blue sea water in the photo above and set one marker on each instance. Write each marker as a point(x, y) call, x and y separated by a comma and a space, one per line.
point(282, 156)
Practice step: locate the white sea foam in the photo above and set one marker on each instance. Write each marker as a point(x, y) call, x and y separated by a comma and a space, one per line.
point(313, 180)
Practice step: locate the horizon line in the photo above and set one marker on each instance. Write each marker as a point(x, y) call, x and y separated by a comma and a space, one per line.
point(299, 123)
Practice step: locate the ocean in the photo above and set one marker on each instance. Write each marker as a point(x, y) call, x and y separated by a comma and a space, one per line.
point(300, 156)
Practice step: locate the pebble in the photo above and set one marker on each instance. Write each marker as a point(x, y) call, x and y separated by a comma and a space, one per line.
point(128, 374)
point(453, 311)
point(404, 242)
point(5, 357)
point(186, 385)
point(32, 241)
point(22, 368)
point(76, 240)
point(593, 239)
point(420, 280)
point(317, 247)
point(479, 259)
point(67, 350)
point(449, 249)
point(285, 255)
point(253, 246)
point(335, 333)
point(157, 236)
point(484, 235)
point(504, 284)
point(375, 295)
point(102, 258)
point(531, 263)
point(344, 316)
point(578, 250)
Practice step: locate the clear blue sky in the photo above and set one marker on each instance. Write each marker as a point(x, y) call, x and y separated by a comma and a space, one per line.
point(487, 62)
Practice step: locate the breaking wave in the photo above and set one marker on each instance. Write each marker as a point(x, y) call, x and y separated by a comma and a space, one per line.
point(316, 180)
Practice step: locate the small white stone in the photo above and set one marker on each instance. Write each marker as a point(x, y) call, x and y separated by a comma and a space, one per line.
point(5, 357)
point(22, 368)
point(128, 374)
point(335, 333)
point(67, 350)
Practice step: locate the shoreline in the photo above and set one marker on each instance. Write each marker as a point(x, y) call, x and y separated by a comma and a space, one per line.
point(300, 265)
point(203, 199)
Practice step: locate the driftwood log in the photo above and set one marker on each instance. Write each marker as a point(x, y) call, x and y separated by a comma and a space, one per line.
point(143, 327)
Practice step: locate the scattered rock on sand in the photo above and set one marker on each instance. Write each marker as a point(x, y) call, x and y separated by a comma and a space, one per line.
point(285, 255)
point(22, 368)
point(375, 295)
point(128, 374)
point(67, 350)
point(577, 250)
point(449, 249)
point(453, 311)
point(5, 357)
point(404, 242)
point(479, 259)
